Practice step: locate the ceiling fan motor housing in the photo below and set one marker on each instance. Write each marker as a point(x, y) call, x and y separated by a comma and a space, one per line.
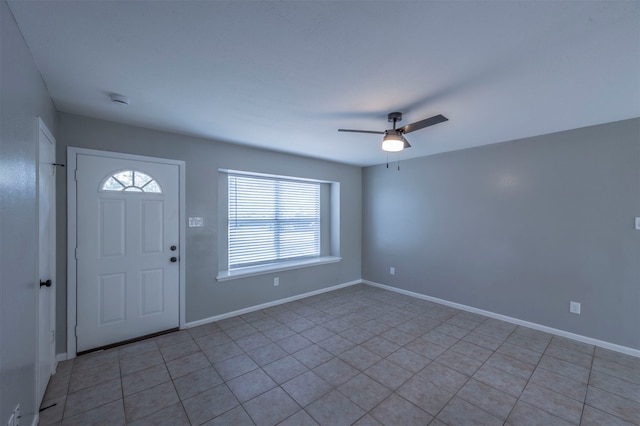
point(393, 117)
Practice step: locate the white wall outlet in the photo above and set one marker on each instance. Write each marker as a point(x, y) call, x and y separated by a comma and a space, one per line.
point(637, 223)
point(196, 222)
point(392, 270)
point(574, 307)
point(276, 281)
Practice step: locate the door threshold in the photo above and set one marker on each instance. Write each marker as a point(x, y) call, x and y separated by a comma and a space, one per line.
point(126, 342)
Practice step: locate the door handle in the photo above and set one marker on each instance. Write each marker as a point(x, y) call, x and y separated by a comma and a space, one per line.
point(173, 248)
point(46, 283)
point(173, 259)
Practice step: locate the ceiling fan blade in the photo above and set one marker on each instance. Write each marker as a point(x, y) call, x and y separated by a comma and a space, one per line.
point(406, 143)
point(361, 131)
point(423, 123)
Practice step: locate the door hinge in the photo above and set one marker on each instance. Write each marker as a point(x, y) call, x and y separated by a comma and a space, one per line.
point(76, 175)
point(75, 330)
point(76, 252)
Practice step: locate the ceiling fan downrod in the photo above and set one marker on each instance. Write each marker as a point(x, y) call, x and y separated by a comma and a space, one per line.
point(394, 117)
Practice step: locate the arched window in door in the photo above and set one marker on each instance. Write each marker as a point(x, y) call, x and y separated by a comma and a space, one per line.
point(130, 181)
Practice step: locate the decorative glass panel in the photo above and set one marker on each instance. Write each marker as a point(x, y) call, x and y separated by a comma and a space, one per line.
point(112, 185)
point(152, 186)
point(140, 179)
point(130, 181)
point(126, 177)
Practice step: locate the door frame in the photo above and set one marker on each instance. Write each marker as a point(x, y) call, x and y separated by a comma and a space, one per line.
point(43, 131)
point(72, 199)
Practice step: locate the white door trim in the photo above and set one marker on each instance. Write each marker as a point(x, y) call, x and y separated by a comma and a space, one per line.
point(72, 153)
point(44, 130)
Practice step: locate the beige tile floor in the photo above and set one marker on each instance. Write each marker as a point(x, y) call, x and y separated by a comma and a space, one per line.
point(359, 355)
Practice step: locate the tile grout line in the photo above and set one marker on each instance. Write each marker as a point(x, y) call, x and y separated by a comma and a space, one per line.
point(530, 376)
point(471, 377)
point(584, 402)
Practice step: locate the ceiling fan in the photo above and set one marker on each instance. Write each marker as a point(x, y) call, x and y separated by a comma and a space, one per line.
point(394, 140)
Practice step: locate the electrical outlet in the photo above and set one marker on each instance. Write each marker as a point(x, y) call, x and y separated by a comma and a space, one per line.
point(276, 281)
point(637, 223)
point(574, 307)
point(392, 270)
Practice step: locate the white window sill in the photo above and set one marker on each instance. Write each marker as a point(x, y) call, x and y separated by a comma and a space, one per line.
point(277, 267)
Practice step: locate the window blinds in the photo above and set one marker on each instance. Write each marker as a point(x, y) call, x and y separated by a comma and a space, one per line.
point(272, 220)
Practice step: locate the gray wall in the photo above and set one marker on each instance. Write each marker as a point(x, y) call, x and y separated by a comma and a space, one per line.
point(23, 97)
point(517, 228)
point(205, 297)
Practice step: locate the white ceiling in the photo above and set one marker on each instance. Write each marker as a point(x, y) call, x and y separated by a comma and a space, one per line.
point(285, 75)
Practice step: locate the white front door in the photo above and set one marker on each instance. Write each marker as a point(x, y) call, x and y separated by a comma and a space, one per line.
point(46, 259)
point(127, 249)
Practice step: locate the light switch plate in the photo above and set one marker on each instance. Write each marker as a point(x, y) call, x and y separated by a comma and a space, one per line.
point(638, 223)
point(196, 222)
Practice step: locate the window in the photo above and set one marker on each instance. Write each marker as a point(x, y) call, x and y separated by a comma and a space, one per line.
point(271, 220)
point(130, 181)
point(275, 223)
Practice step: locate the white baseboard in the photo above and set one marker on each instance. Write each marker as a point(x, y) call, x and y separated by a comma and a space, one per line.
point(580, 338)
point(535, 326)
point(269, 304)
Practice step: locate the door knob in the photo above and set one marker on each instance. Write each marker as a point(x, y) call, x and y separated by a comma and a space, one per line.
point(46, 283)
point(174, 259)
point(173, 248)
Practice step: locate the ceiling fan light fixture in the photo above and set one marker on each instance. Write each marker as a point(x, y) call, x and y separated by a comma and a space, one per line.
point(393, 141)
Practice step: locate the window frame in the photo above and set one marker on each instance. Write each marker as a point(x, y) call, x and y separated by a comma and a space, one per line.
point(329, 228)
